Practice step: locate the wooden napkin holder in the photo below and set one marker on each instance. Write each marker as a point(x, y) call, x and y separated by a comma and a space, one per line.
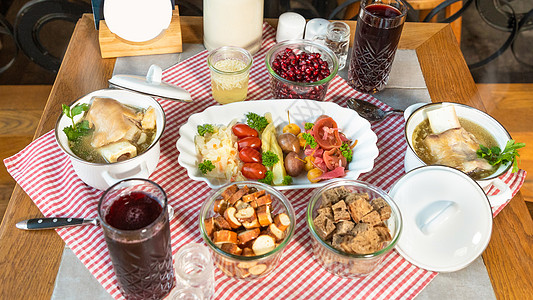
point(168, 41)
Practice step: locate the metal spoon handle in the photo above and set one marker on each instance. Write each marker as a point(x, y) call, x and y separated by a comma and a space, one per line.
point(394, 111)
point(51, 223)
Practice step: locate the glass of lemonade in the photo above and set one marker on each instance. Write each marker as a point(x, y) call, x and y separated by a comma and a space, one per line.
point(230, 70)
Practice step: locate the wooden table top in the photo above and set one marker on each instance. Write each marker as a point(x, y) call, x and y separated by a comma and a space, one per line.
point(29, 260)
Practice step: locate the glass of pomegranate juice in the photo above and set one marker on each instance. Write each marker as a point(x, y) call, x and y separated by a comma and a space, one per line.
point(133, 214)
point(377, 34)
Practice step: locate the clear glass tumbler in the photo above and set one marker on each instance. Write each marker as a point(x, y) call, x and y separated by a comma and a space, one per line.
point(195, 273)
point(337, 38)
point(133, 214)
point(377, 34)
point(230, 70)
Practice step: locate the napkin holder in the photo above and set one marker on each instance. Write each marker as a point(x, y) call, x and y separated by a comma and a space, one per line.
point(169, 41)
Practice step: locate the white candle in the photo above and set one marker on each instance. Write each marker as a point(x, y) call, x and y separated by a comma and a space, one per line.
point(316, 27)
point(290, 26)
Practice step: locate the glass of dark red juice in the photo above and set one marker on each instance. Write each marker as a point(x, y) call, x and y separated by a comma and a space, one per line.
point(377, 34)
point(133, 214)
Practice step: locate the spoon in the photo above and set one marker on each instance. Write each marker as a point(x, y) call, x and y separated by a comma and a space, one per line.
point(53, 223)
point(370, 111)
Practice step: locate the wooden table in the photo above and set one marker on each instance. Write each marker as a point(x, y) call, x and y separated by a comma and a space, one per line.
point(29, 260)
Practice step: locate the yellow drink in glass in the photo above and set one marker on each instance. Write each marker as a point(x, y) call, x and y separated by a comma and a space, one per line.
point(230, 70)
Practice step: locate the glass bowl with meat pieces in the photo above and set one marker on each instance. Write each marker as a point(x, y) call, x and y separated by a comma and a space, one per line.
point(353, 226)
point(246, 226)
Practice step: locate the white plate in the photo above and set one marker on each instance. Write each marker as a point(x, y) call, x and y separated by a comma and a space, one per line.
point(301, 111)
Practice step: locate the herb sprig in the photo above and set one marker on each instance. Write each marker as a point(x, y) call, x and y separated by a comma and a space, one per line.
point(206, 128)
point(206, 166)
point(76, 130)
point(495, 156)
point(347, 151)
point(309, 140)
point(308, 125)
point(256, 121)
point(269, 158)
point(269, 177)
point(287, 180)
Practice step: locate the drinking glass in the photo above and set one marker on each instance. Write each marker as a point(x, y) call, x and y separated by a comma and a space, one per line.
point(377, 34)
point(337, 39)
point(230, 71)
point(133, 214)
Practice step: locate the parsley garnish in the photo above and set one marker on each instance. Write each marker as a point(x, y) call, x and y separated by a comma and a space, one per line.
point(206, 128)
point(256, 121)
point(75, 131)
point(206, 166)
point(308, 125)
point(495, 156)
point(309, 140)
point(269, 158)
point(287, 180)
point(346, 151)
point(268, 178)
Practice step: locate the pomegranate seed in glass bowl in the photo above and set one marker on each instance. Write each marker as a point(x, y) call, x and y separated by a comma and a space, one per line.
point(300, 69)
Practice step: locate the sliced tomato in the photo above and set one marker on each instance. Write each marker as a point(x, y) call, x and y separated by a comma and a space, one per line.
point(334, 158)
point(326, 133)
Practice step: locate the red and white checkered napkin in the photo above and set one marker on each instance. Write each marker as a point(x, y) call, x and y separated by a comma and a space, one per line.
point(46, 175)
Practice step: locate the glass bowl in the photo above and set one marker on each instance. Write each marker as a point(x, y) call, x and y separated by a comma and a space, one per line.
point(339, 262)
point(286, 89)
point(242, 267)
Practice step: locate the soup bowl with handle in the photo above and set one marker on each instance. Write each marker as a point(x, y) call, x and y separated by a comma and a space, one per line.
point(417, 113)
point(103, 175)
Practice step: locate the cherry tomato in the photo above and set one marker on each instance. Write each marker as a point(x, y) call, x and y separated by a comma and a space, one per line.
point(243, 130)
point(250, 155)
point(254, 171)
point(251, 141)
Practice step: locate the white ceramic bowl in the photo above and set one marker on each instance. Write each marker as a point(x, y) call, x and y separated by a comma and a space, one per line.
point(416, 113)
point(102, 176)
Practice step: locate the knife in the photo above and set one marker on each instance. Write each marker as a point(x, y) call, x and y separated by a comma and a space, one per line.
point(51, 223)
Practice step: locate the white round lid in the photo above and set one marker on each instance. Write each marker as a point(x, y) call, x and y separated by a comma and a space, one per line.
point(447, 219)
point(137, 20)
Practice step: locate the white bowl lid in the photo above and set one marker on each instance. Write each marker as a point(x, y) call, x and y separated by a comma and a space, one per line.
point(447, 218)
point(151, 85)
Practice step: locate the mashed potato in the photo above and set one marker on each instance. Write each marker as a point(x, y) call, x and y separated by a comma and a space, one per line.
point(220, 147)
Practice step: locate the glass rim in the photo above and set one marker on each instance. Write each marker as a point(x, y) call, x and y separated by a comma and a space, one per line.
point(352, 182)
point(230, 48)
point(402, 8)
point(285, 202)
point(134, 231)
point(333, 24)
point(308, 43)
